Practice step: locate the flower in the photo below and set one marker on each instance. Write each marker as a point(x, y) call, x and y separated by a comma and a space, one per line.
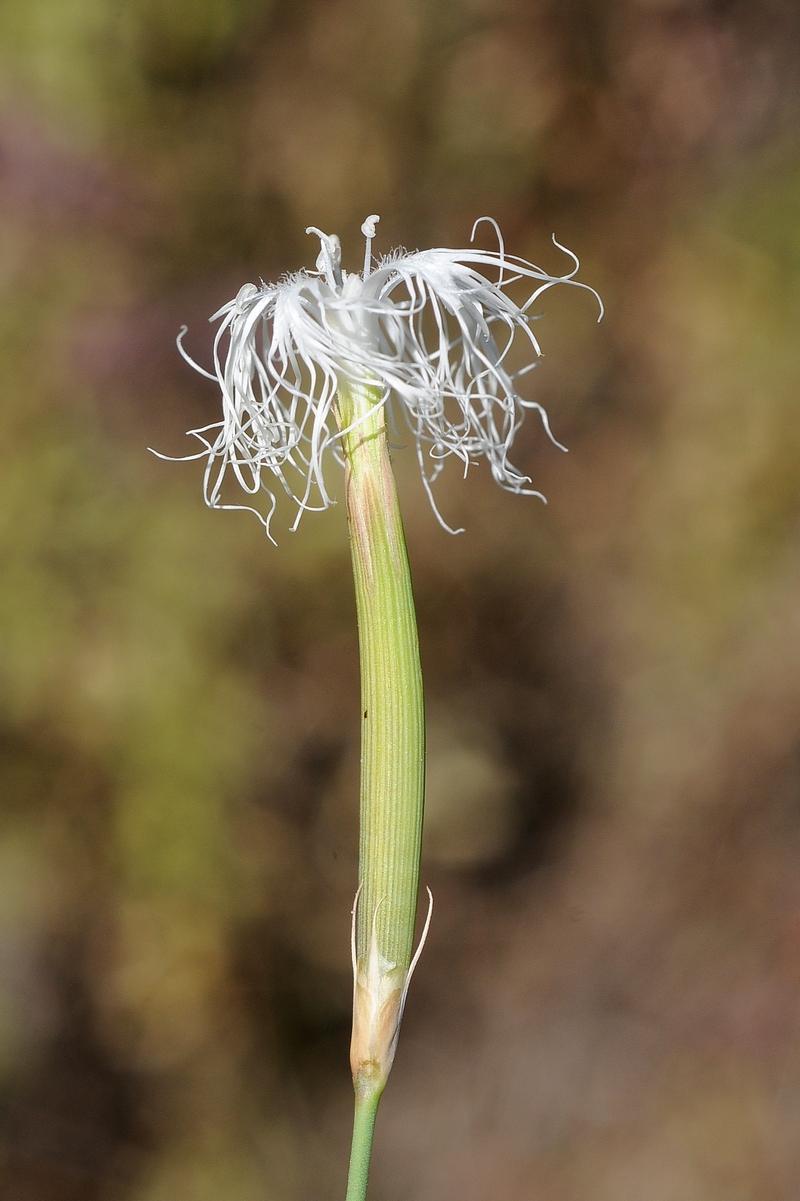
point(425, 333)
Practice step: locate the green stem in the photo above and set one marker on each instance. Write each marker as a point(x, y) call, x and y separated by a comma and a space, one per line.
point(363, 1129)
point(392, 757)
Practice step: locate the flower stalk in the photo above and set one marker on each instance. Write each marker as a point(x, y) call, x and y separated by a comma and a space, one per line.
point(392, 761)
point(313, 364)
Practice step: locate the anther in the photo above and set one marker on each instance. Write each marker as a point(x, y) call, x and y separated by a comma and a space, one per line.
point(246, 293)
point(368, 230)
point(329, 258)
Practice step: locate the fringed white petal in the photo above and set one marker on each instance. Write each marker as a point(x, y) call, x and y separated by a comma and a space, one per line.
point(428, 330)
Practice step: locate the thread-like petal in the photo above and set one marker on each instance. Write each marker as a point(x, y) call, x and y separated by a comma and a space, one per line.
point(428, 329)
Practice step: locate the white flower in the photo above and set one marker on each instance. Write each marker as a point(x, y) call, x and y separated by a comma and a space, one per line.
point(426, 333)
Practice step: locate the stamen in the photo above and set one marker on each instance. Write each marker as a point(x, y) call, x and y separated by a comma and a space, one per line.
point(244, 296)
point(329, 259)
point(368, 230)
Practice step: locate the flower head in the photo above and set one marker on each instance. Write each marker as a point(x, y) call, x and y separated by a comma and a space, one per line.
point(426, 333)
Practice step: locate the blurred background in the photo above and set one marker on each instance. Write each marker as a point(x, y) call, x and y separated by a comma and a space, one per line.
point(609, 1005)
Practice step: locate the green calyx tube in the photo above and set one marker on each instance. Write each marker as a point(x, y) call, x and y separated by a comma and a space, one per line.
point(392, 761)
